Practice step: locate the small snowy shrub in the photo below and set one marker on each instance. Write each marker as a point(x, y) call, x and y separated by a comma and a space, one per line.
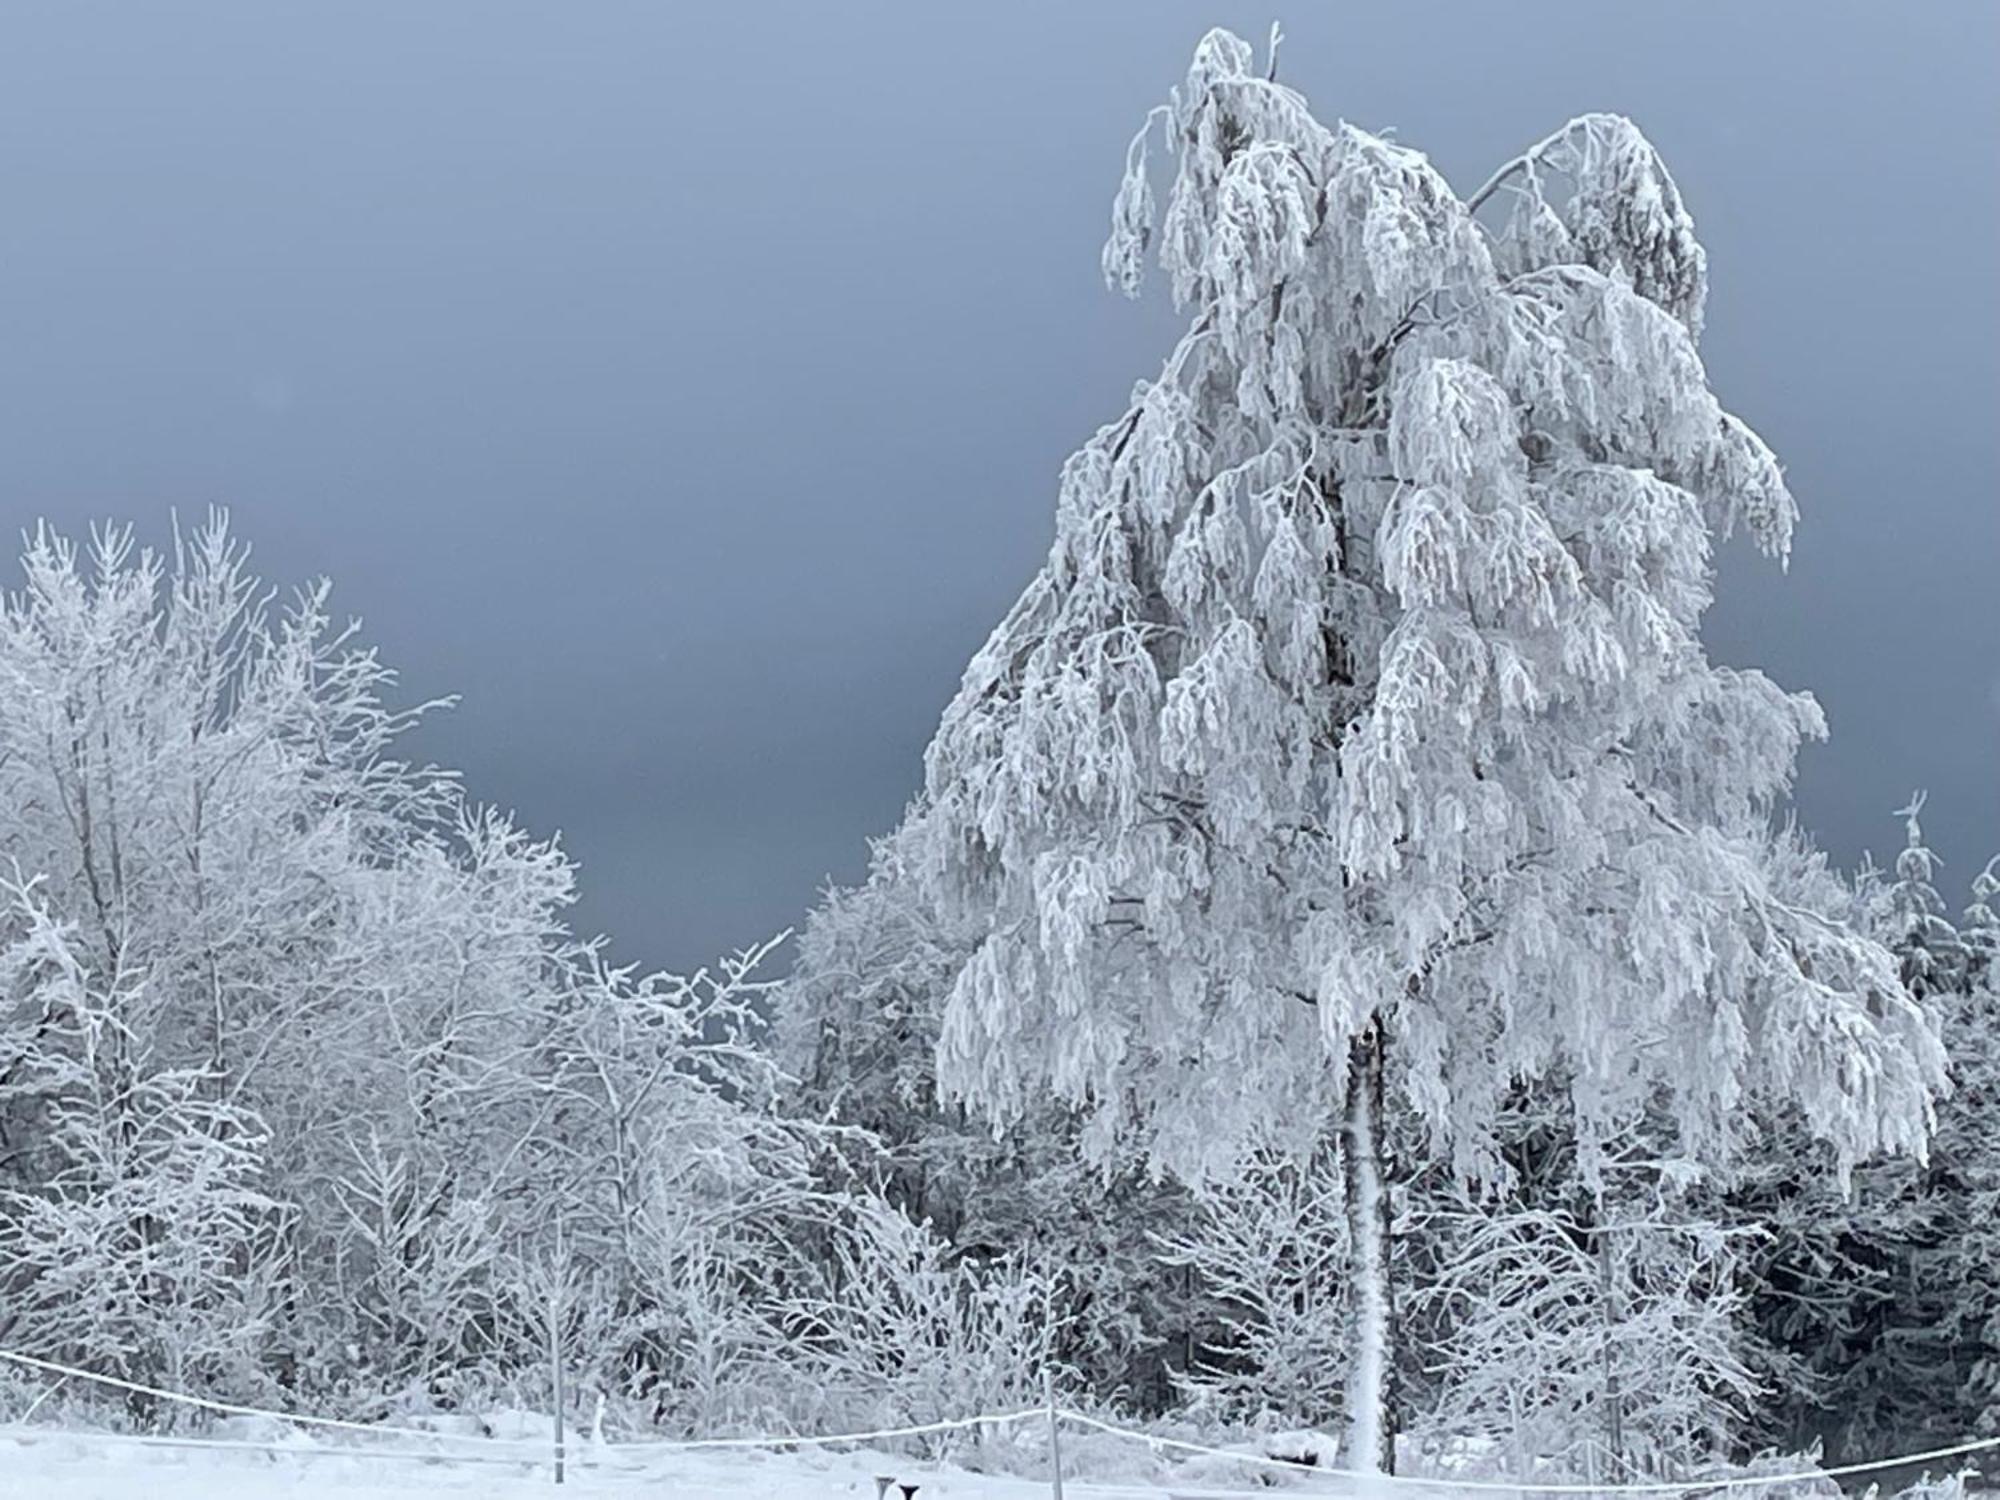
point(899, 1333)
point(1271, 1249)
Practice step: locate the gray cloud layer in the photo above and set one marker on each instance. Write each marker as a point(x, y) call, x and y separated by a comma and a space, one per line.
point(686, 386)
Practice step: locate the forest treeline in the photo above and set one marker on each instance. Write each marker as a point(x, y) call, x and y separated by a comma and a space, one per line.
point(309, 1098)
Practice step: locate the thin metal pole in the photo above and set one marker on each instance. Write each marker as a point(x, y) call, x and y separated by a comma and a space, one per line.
point(1055, 1436)
point(1614, 1396)
point(555, 1376)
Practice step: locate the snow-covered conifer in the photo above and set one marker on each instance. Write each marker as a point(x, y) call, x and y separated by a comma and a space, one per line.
point(1926, 944)
point(1877, 1304)
point(1966, 1164)
point(1979, 931)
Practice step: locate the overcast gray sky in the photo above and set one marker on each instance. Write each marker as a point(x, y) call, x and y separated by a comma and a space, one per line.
point(686, 385)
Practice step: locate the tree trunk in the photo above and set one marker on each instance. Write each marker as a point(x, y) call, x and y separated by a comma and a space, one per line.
point(1371, 1404)
point(1614, 1397)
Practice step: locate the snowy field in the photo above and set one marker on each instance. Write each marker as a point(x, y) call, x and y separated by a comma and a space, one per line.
point(68, 1466)
point(73, 1465)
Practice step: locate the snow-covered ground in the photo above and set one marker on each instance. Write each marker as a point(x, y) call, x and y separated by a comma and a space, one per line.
point(54, 1464)
point(77, 1466)
point(66, 1467)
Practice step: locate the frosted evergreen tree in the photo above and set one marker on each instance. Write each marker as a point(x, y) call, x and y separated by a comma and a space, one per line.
point(1359, 714)
point(1979, 931)
point(1920, 932)
point(1934, 1365)
point(1969, 1128)
point(1878, 1305)
point(1913, 1346)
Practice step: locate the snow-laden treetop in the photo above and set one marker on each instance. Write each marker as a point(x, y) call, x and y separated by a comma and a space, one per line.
point(1364, 679)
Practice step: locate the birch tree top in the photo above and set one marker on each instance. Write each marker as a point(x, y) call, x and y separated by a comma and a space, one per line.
point(1364, 679)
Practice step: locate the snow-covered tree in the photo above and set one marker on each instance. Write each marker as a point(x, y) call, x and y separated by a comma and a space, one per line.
point(1934, 1364)
point(1271, 1248)
point(295, 1040)
point(148, 1249)
point(1979, 931)
point(1595, 1334)
point(1359, 714)
point(857, 1025)
point(678, 1181)
point(1915, 1335)
point(1920, 931)
point(1876, 1305)
point(1969, 1140)
point(202, 792)
point(902, 1331)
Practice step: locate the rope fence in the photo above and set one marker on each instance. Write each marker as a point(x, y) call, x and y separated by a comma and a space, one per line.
point(1531, 1487)
point(231, 1409)
point(29, 1435)
point(528, 1452)
point(828, 1439)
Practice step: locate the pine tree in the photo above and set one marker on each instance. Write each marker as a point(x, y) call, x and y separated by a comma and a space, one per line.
point(1969, 1139)
point(1358, 723)
point(1979, 931)
point(1877, 1305)
point(1911, 1361)
point(1929, 952)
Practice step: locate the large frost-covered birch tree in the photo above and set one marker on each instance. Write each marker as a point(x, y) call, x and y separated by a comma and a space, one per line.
point(1358, 724)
